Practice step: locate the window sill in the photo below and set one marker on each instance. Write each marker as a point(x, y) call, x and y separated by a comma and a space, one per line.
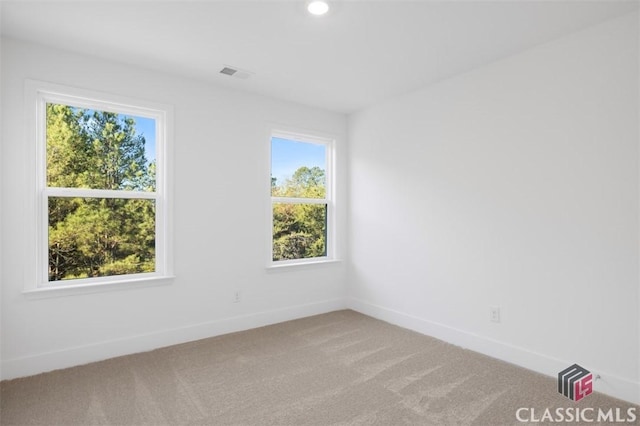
point(71, 289)
point(303, 264)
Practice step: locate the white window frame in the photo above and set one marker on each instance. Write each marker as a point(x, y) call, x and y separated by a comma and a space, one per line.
point(38, 94)
point(330, 244)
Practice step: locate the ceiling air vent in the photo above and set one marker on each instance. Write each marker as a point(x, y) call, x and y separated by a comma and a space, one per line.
point(228, 71)
point(236, 72)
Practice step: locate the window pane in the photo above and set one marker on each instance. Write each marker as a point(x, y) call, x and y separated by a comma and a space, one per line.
point(96, 237)
point(297, 169)
point(299, 231)
point(99, 150)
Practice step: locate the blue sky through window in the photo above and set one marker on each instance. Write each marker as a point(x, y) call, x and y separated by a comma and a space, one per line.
point(287, 156)
point(144, 126)
point(147, 127)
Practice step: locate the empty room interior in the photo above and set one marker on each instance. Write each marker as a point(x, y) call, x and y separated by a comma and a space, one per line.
point(294, 212)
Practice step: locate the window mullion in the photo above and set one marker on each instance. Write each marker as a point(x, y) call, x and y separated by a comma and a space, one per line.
point(98, 193)
point(297, 200)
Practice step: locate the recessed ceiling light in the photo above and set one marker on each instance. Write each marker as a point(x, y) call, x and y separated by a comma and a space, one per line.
point(318, 7)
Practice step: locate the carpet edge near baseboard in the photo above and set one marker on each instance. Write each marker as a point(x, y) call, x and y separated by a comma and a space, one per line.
point(98, 351)
point(608, 384)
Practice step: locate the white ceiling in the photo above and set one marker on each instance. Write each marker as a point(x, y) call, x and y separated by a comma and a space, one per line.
point(360, 53)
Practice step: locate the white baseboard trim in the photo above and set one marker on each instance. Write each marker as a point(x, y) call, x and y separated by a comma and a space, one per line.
point(70, 357)
point(608, 384)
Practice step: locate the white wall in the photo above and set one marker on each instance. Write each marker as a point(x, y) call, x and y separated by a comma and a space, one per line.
point(221, 173)
point(515, 185)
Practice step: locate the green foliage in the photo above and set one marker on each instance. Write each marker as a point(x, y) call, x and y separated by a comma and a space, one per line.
point(91, 237)
point(300, 230)
point(305, 183)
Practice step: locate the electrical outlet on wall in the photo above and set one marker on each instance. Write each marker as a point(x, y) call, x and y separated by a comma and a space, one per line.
point(237, 295)
point(494, 313)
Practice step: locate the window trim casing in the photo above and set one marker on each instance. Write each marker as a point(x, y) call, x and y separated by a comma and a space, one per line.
point(329, 141)
point(37, 95)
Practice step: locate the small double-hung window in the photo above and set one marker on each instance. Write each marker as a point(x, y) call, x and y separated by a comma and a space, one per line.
point(302, 207)
point(101, 189)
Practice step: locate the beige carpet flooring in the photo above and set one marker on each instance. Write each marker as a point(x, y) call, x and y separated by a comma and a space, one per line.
point(341, 368)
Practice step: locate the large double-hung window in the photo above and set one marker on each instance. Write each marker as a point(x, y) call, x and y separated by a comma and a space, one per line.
point(101, 180)
point(302, 210)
